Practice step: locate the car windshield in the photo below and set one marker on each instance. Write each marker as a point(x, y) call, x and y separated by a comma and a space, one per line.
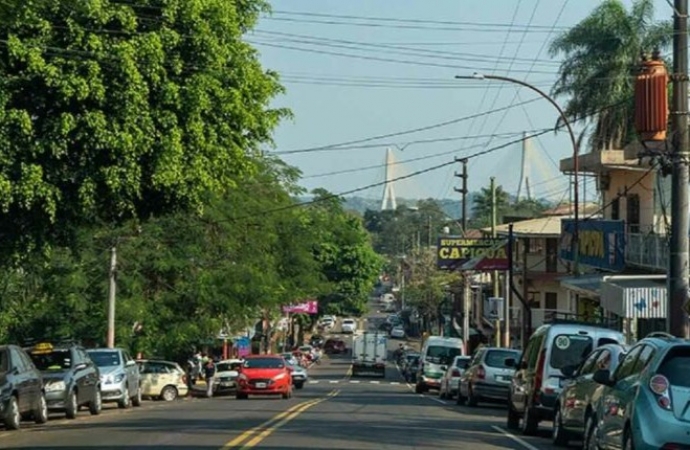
point(264, 363)
point(569, 350)
point(439, 354)
point(226, 367)
point(105, 358)
point(3, 361)
point(676, 367)
point(55, 360)
point(497, 358)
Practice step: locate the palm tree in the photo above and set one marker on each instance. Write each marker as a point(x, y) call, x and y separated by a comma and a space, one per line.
point(601, 53)
point(481, 209)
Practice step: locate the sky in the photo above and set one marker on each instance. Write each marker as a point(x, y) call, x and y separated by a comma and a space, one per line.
point(359, 69)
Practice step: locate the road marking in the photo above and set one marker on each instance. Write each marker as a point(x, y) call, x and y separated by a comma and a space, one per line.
point(437, 400)
point(395, 383)
point(333, 381)
point(354, 381)
point(256, 435)
point(514, 438)
point(375, 382)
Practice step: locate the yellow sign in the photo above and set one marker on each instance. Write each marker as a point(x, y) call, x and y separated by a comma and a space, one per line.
point(42, 348)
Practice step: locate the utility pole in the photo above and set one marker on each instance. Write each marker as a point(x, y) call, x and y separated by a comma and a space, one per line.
point(463, 191)
point(677, 312)
point(111, 297)
point(494, 275)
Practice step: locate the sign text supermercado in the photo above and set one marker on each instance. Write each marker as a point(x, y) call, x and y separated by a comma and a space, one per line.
point(458, 253)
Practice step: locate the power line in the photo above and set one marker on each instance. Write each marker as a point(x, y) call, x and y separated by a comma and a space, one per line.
point(401, 133)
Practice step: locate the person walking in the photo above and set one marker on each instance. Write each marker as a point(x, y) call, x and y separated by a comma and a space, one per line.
point(209, 373)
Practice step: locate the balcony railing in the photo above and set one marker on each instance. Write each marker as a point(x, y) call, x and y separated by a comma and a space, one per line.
point(647, 250)
point(540, 316)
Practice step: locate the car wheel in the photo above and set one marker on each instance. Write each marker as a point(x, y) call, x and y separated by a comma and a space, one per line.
point(590, 440)
point(559, 435)
point(41, 412)
point(169, 393)
point(299, 385)
point(418, 388)
point(96, 404)
point(71, 406)
point(125, 401)
point(136, 400)
point(13, 419)
point(472, 399)
point(513, 422)
point(530, 423)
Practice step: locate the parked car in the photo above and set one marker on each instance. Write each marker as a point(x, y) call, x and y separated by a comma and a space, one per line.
point(349, 326)
point(537, 380)
point(316, 340)
point(264, 375)
point(21, 388)
point(70, 378)
point(162, 380)
point(488, 377)
point(645, 403)
point(580, 391)
point(334, 346)
point(227, 372)
point(289, 357)
point(120, 380)
point(299, 375)
point(450, 380)
point(397, 332)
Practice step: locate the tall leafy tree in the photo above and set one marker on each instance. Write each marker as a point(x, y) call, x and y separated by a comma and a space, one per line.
point(601, 54)
point(481, 209)
point(114, 110)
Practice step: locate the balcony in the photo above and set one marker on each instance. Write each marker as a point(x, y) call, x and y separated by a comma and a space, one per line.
point(647, 250)
point(540, 316)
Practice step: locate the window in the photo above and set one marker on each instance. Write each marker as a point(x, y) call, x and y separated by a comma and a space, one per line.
point(17, 361)
point(105, 358)
point(532, 351)
point(569, 350)
point(604, 360)
point(628, 364)
point(534, 246)
point(551, 300)
point(263, 363)
point(633, 213)
point(439, 354)
point(55, 360)
point(589, 365)
point(4, 361)
point(676, 366)
point(497, 358)
point(534, 299)
point(616, 209)
point(643, 361)
point(462, 363)
point(551, 255)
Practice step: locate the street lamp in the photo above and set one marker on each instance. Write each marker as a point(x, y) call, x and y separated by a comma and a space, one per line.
point(573, 140)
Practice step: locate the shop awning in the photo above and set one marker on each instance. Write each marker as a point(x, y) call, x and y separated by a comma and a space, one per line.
point(635, 299)
point(589, 285)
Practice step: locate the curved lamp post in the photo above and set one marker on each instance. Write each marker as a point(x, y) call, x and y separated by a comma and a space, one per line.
point(573, 140)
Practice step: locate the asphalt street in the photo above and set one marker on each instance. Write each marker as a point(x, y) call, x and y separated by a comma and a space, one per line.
point(333, 411)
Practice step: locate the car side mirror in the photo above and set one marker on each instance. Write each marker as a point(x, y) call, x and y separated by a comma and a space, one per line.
point(603, 376)
point(569, 371)
point(444, 368)
point(510, 362)
point(130, 363)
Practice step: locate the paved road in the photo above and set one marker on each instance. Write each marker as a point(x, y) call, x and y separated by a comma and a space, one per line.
point(332, 412)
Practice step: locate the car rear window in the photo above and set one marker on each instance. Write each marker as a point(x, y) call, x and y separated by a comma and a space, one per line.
point(569, 350)
point(676, 366)
point(497, 358)
point(462, 363)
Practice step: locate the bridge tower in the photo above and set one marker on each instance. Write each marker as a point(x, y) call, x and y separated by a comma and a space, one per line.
point(524, 170)
point(388, 201)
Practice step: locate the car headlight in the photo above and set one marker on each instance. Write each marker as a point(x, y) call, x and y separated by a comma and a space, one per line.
point(280, 376)
point(52, 386)
point(119, 377)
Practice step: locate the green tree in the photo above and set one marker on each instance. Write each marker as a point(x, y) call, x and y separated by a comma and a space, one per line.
point(481, 209)
point(117, 110)
point(601, 53)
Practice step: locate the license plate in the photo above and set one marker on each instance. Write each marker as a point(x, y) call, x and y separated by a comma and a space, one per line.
point(260, 385)
point(504, 378)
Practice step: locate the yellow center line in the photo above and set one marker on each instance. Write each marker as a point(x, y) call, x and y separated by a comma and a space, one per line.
point(251, 438)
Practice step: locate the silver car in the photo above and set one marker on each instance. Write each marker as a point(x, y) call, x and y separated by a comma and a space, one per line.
point(120, 378)
point(580, 390)
point(451, 379)
point(488, 376)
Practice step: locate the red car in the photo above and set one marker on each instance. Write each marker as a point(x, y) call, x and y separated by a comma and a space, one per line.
point(334, 346)
point(264, 375)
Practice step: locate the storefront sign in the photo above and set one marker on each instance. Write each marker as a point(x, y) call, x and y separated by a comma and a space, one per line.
point(458, 253)
point(601, 243)
point(308, 307)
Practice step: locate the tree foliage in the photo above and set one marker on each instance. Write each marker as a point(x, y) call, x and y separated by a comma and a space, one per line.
point(113, 110)
point(601, 55)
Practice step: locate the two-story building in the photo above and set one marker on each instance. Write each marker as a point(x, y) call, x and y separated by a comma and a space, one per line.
point(627, 247)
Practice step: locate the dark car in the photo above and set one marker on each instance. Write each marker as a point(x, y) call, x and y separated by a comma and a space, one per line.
point(21, 388)
point(334, 346)
point(70, 378)
point(316, 340)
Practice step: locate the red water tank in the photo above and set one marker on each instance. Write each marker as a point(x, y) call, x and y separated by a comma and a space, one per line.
point(651, 99)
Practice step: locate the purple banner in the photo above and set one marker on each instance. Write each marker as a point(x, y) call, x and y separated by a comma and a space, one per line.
point(308, 307)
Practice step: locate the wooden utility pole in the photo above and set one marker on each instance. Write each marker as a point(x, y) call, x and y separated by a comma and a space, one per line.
point(494, 274)
point(678, 309)
point(463, 191)
point(112, 287)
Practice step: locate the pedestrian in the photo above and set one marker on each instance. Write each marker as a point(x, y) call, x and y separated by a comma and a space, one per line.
point(209, 373)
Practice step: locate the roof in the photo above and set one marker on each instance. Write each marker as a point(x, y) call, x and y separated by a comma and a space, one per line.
point(544, 227)
point(587, 284)
point(569, 208)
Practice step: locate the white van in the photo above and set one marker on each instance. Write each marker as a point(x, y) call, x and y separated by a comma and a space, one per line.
point(437, 353)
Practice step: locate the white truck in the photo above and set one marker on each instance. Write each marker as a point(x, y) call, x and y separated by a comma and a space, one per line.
point(369, 352)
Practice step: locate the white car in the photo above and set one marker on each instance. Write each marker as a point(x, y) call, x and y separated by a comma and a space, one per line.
point(349, 325)
point(398, 332)
point(227, 372)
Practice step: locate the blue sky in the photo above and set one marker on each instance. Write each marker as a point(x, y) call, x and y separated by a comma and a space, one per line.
point(337, 98)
